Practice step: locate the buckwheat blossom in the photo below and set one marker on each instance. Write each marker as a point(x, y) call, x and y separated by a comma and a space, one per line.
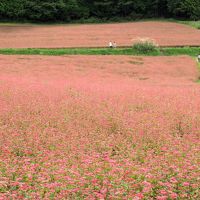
point(162, 198)
point(186, 184)
point(92, 127)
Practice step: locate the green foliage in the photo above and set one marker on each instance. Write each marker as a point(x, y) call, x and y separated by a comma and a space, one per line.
point(192, 8)
point(43, 11)
point(195, 24)
point(145, 47)
point(12, 9)
point(69, 10)
point(191, 51)
point(185, 8)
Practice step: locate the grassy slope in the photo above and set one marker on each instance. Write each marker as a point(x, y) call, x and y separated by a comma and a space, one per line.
point(191, 51)
point(194, 24)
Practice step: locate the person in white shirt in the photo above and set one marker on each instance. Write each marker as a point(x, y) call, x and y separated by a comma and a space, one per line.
point(198, 58)
point(114, 45)
point(110, 45)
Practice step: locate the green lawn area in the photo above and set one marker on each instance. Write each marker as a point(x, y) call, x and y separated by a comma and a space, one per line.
point(195, 24)
point(191, 51)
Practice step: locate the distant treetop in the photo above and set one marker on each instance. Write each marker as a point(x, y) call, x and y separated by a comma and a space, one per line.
point(99, 10)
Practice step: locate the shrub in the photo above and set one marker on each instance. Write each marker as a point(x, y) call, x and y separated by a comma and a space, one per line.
point(145, 46)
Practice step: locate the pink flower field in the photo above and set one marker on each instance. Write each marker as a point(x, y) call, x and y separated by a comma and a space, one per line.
point(99, 127)
point(96, 35)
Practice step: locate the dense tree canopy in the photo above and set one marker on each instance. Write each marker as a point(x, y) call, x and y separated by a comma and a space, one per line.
point(69, 10)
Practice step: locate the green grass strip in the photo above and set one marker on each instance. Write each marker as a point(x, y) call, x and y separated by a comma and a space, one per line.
point(194, 24)
point(191, 51)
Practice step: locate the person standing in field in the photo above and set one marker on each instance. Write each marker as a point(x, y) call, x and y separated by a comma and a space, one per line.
point(198, 58)
point(110, 44)
point(114, 45)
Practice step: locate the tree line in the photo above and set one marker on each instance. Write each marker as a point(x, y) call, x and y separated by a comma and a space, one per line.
point(100, 10)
